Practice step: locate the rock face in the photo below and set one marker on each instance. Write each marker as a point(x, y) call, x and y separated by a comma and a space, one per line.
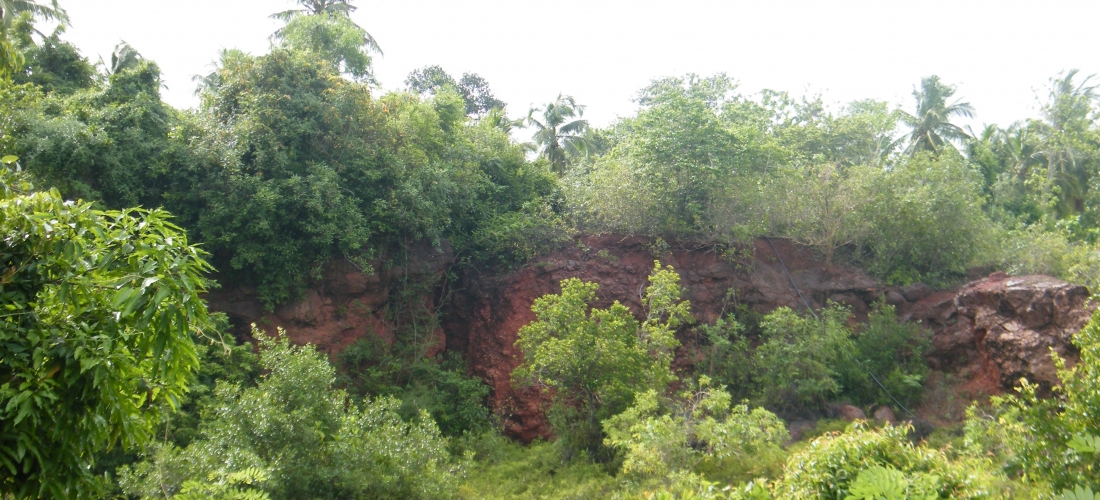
point(1005, 327)
point(991, 332)
point(483, 320)
point(344, 306)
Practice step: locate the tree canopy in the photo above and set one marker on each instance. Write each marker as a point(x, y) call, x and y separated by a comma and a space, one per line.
point(100, 309)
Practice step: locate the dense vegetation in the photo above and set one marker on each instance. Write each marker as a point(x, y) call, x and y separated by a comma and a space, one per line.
point(115, 381)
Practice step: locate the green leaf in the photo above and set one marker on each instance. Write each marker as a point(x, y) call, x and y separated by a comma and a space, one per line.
point(1078, 493)
point(1085, 443)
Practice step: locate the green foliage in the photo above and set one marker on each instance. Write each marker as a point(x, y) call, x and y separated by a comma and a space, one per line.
point(818, 206)
point(226, 486)
point(455, 401)
point(659, 440)
point(473, 89)
point(888, 483)
point(306, 437)
point(286, 165)
point(932, 130)
point(893, 352)
point(802, 361)
point(517, 237)
point(108, 144)
point(19, 101)
point(595, 360)
point(297, 166)
point(99, 312)
point(1041, 249)
point(560, 132)
point(55, 66)
point(921, 220)
point(665, 164)
point(926, 221)
point(221, 361)
point(728, 354)
point(1078, 493)
point(835, 466)
point(333, 38)
point(505, 470)
point(11, 60)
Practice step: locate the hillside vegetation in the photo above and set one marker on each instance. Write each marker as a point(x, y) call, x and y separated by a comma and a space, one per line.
point(119, 211)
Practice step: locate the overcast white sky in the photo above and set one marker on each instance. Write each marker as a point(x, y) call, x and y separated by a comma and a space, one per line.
point(998, 53)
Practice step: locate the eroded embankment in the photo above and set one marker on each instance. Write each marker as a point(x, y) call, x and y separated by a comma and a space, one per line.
point(990, 332)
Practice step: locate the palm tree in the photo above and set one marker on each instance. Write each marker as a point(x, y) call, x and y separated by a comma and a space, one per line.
point(560, 134)
point(322, 7)
point(1068, 119)
point(1070, 103)
point(932, 127)
point(123, 57)
point(498, 118)
point(11, 9)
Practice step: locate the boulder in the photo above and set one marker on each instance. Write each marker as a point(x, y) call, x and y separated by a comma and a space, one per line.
point(885, 415)
point(848, 412)
point(1006, 328)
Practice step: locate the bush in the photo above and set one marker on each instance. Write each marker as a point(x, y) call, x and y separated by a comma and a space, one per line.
point(595, 360)
point(659, 439)
point(893, 352)
point(305, 437)
point(1039, 249)
point(831, 466)
point(925, 221)
point(727, 354)
point(517, 237)
point(819, 206)
point(504, 469)
point(803, 361)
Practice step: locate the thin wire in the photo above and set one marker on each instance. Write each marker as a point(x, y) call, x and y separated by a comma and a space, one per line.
point(796, 290)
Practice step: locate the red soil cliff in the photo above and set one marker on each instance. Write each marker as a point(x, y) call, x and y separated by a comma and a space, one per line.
point(992, 331)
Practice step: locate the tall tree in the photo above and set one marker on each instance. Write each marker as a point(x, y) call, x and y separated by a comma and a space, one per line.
point(11, 9)
point(333, 38)
point(54, 65)
point(473, 89)
point(11, 60)
point(1066, 144)
point(97, 337)
point(342, 8)
point(123, 57)
point(560, 134)
point(932, 127)
point(478, 96)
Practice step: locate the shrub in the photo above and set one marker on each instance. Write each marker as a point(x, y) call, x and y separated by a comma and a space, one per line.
point(893, 352)
point(658, 439)
point(305, 437)
point(595, 360)
point(803, 361)
point(831, 466)
point(925, 221)
point(1039, 249)
point(819, 206)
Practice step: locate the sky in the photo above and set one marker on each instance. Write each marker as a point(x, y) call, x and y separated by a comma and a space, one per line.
point(999, 54)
